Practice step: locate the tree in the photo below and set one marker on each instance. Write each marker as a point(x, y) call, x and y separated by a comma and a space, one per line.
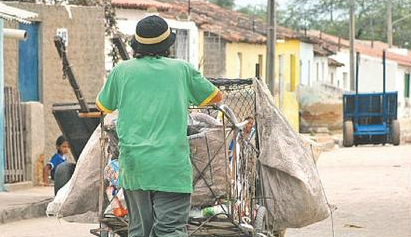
point(258, 11)
point(229, 4)
point(331, 16)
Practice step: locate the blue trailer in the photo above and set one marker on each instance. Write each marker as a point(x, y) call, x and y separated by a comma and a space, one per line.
point(370, 118)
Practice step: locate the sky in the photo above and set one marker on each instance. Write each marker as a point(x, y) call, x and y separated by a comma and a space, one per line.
point(246, 2)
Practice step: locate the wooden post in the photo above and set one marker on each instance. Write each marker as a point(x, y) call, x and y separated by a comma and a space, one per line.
point(2, 188)
point(271, 31)
point(352, 41)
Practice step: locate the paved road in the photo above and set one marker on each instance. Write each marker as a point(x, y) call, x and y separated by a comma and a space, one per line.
point(370, 186)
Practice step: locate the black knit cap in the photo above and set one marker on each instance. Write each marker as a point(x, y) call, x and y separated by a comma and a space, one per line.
point(152, 35)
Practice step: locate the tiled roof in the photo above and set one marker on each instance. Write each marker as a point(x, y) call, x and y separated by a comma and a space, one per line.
point(335, 63)
point(322, 49)
point(229, 25)
point(143, 5)
point(364, 47)
point(15, 14)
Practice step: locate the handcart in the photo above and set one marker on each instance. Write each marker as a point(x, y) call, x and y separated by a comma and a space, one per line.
point(371, 118)
point(231, 204)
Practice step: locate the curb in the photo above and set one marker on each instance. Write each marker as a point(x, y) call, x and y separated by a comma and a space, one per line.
point(18, 186)
point(24, 211)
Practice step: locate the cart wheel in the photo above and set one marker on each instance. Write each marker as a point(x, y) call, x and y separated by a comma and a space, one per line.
point(259, 223)
point(348, 134)
point(395, 132)
point(62, 175)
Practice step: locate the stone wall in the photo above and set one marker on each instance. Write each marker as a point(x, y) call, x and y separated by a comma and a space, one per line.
point(214, 55)
point(85, 26)
point(320, 108)
point(10, 57)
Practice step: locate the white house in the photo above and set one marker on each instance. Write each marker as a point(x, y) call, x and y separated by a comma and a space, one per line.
point(370, 75)
point(129, 12)
point(306, 62)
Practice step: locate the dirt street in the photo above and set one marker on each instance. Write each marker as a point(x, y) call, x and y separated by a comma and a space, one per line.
point(45, 227)
point(370, 185)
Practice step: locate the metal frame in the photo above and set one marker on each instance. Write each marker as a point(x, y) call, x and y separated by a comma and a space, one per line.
point(371, 113)
point(213, 226)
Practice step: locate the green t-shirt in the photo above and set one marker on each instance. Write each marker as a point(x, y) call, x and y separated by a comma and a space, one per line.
point(152, 96)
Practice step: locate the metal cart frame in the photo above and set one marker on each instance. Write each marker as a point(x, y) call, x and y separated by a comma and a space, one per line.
point(239, 94)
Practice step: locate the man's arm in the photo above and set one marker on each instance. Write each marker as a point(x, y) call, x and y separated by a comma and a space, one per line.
point(106, 100)
point(201, 92)
point(217, 98)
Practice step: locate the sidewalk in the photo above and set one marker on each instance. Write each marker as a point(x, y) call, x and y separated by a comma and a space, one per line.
point(24, 203)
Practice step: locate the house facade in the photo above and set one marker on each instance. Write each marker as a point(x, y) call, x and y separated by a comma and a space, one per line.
point(7, 14)
point(398, 67)
point(224, 44)
point(34, 68)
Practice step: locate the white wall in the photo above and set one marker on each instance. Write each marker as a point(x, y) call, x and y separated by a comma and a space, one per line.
point(332, 73)
point(306, 61)
point(342, 57)
point(127, 20)
point(320, 68)
point(404, 104)
point(371, 75)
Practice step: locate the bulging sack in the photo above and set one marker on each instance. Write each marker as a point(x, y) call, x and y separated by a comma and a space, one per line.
point(82, 193)
point(209, 166)
point(288, 170)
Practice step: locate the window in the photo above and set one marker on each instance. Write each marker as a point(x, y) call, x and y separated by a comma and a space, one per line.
point(180, 48)
point(214, 58)
point(407, 86)
point(332, 78)
point(318, 71)
point(240, 64)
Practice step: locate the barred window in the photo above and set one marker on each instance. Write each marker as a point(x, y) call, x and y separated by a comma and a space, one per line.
point(180, 49)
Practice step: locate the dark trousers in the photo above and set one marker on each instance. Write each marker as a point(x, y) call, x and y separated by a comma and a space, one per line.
point(157, 214)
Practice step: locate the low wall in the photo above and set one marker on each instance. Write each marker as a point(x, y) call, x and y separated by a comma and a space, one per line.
point(34, 139)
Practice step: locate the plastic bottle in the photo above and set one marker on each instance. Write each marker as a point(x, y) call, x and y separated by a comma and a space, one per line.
point(196, 213)
point(210, 211)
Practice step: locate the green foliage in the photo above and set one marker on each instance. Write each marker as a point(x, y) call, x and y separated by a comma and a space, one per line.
point(332, 16)
point(229, 4)
point(258, 11)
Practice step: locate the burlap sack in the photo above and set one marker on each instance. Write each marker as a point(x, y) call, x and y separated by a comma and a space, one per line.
point(288, 169)
point(209, 167)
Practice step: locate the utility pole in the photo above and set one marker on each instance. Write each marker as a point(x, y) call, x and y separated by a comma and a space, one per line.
point(271, 39)
point(389, 23)
point(189, 9)
point(352, 41)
